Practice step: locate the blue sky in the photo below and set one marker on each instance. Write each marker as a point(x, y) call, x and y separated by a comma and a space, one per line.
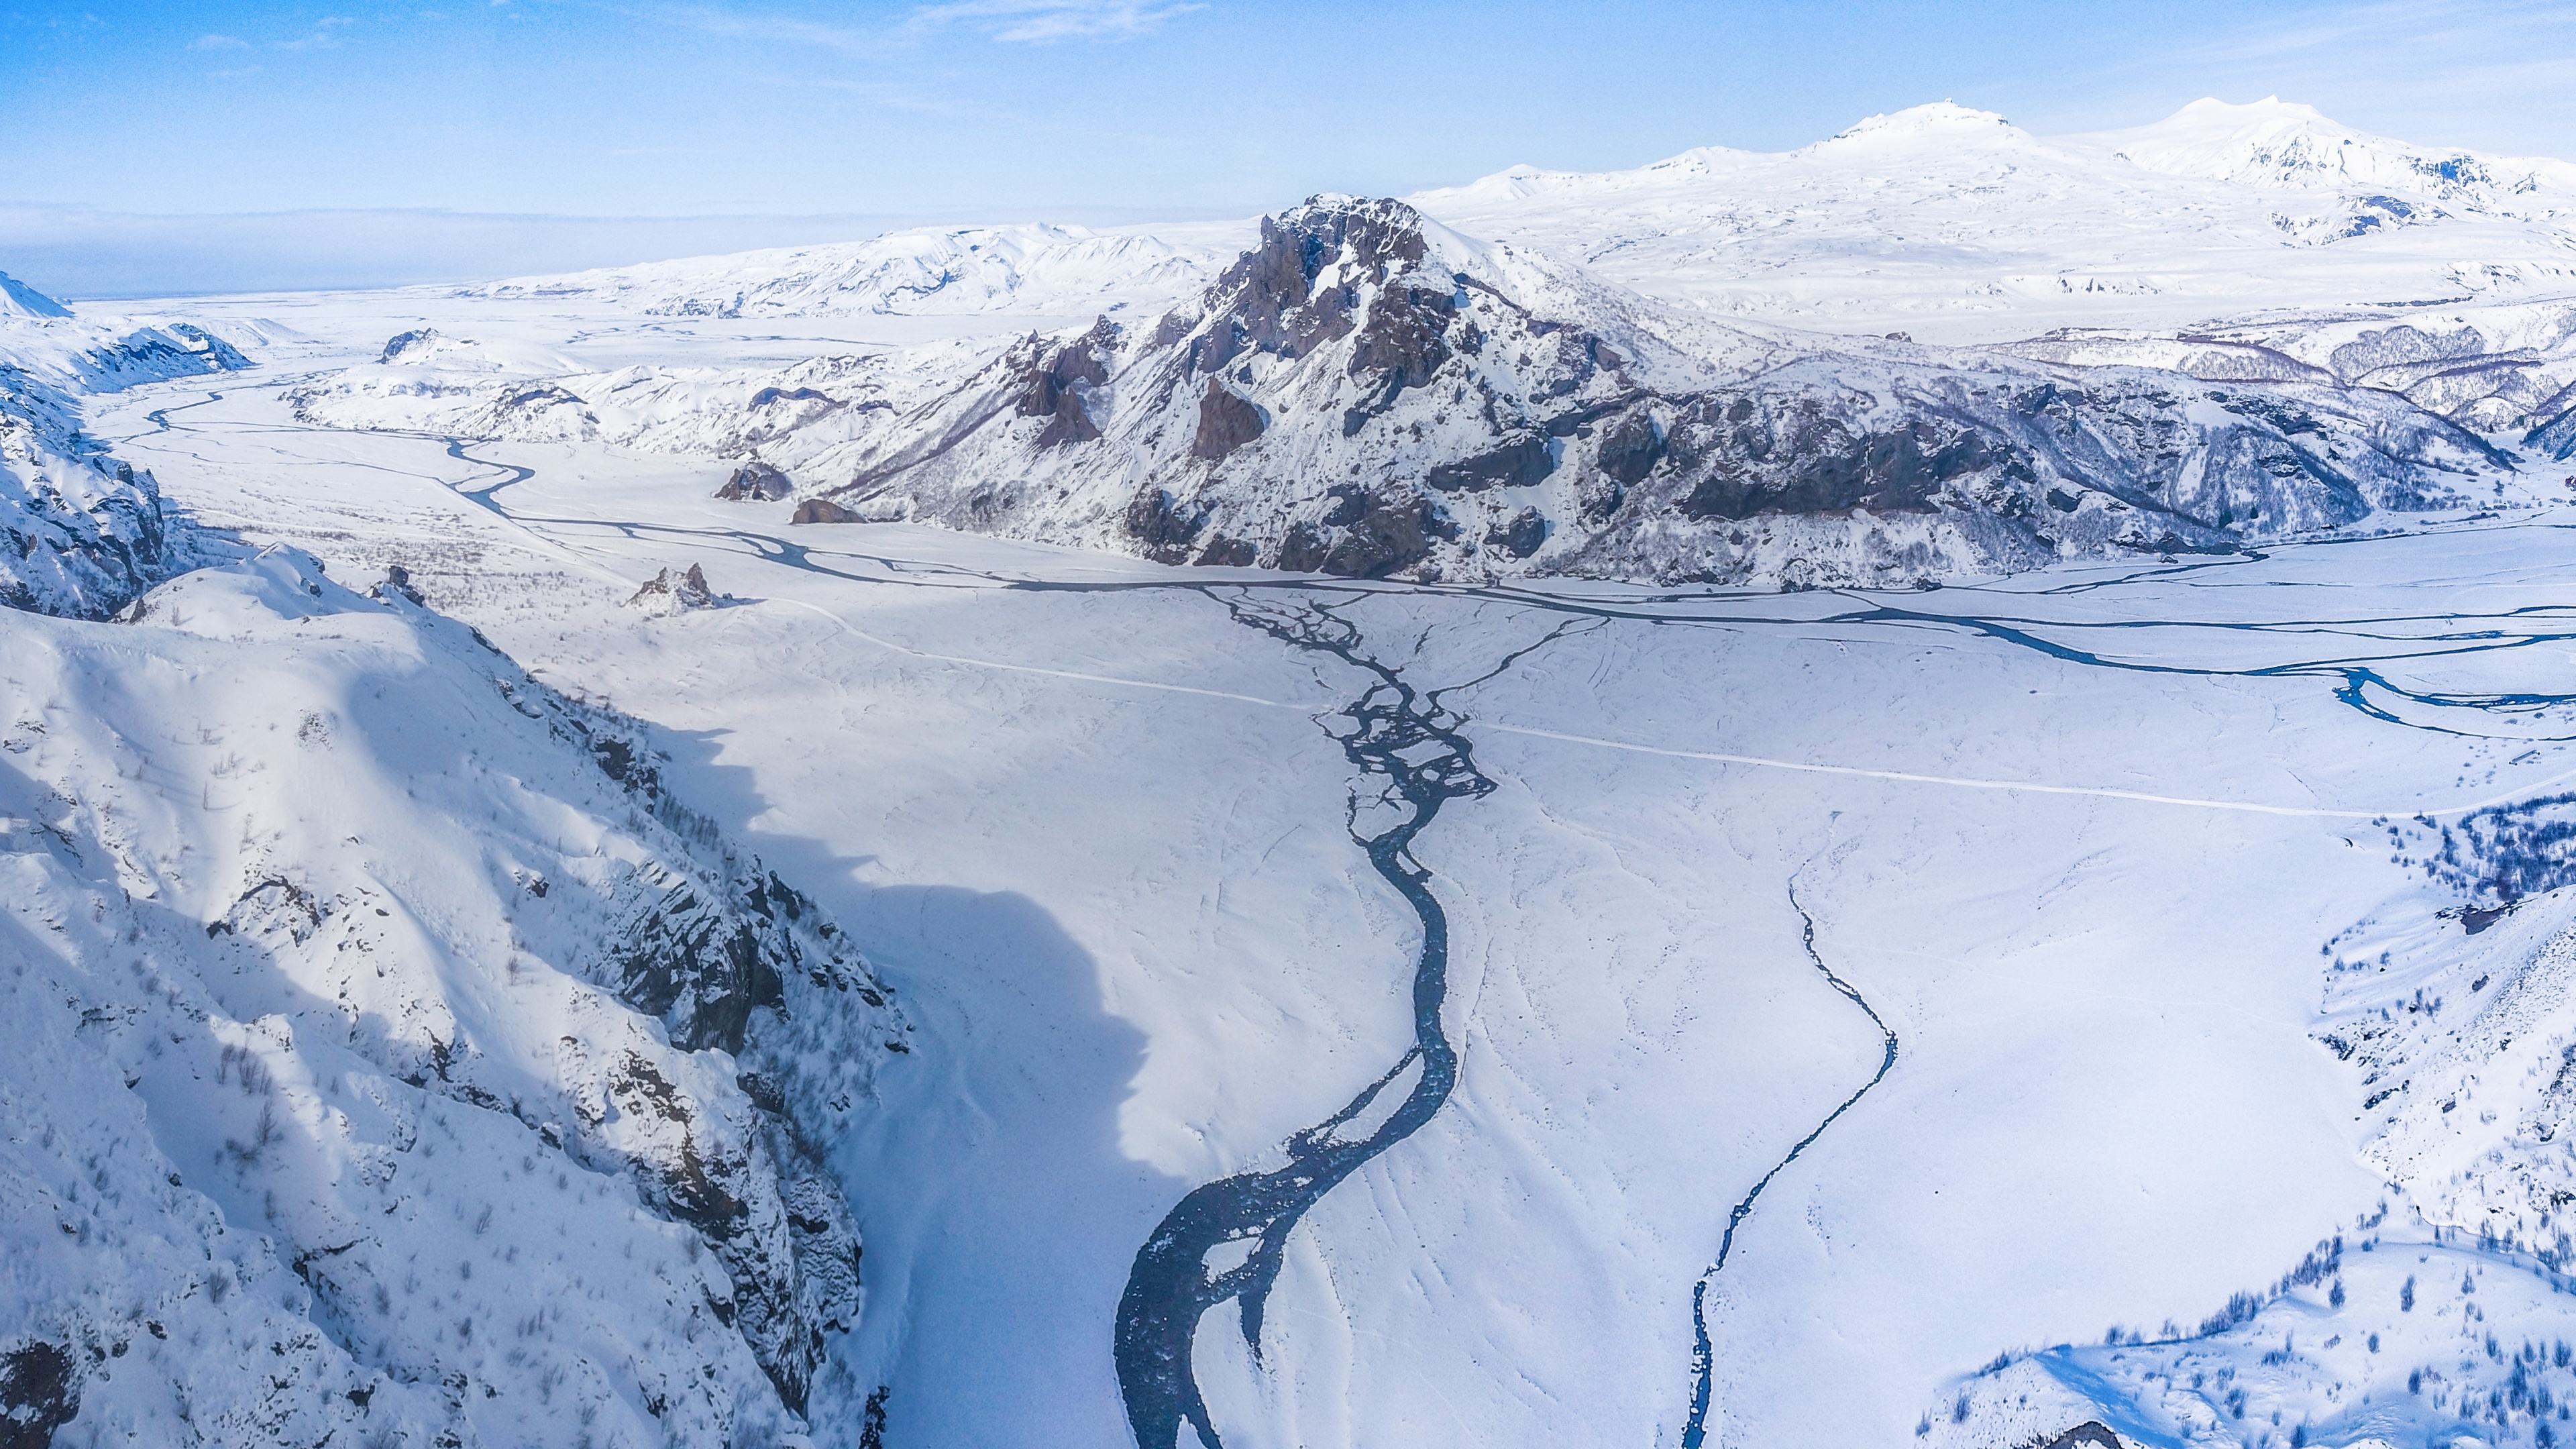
point(852, 114)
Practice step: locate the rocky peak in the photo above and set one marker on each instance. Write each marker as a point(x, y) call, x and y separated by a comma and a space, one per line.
point(756, 482)
point(1053, 389)
point(1299, 287)
point(663, 594)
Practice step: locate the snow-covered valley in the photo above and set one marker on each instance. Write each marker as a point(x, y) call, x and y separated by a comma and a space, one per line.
point(957, 979)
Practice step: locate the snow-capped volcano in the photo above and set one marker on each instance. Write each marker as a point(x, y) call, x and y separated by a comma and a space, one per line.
point(1944, 221)
point(2282, 145)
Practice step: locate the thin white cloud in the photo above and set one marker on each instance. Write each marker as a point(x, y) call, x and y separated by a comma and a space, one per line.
point(1044, 21)
point(737, 25)
point(219, 42)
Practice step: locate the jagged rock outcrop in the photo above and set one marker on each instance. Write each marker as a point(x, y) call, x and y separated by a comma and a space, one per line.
point(1226, 422)
point(663, 594)
point(756, 482)
point(824, 510)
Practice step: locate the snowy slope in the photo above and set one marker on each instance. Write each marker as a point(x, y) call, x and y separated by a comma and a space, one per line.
point(85, 530)
point(375, 1012)
point(17, 299)
point(1036, 269)
point(1953, 224)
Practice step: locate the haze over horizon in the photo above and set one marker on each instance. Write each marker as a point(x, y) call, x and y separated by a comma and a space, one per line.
point(396, 144)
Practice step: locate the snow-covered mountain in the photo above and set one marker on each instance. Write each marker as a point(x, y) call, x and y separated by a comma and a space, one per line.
point(17, 299)
point(1368, 392)
point(1035, 269)
point(1948, 222)
point(2280, 145)
point(377, 1017)
point(85, 530)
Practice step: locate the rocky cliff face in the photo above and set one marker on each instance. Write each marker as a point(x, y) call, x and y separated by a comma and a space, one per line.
point(1366, 393)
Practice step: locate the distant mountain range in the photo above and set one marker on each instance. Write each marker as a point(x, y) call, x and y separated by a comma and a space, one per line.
point(1653, 374)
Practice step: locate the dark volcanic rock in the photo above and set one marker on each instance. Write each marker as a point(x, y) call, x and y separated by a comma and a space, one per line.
point(1828, 468)
point(824, 510)
point(1163, 525)
point(663, 593)
point(1521, 536)
point(756, 482)
point(1391, 533)
point(1232, 553)
point(1631, 448)
point(1518, 463)
point(1271, 301)
point(37, 1395)
point(1052, 389)
point(1226, 422)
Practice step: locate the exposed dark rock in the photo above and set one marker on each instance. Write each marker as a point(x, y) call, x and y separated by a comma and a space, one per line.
point(1303, 549)
point(2062, 501)
point(1825, 468)
point(1232, 553)
point(1267, 301)
point(418, 339)
point(756, 482)
point(1521, 535)
point(397, 582)
point(824, 510)
point(37, 1395)
point(1163, 524)
point(664, 594)
point(695, 966)
point(1391, 534)
point(1630, 448)
point(1052, 390)
point(1518, 463)
point(1227, 421)
point(2092, 1432)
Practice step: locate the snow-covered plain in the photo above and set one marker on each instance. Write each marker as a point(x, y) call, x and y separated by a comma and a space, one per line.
point(2077, 996)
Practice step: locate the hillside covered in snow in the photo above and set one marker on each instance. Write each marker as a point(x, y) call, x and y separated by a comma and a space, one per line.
point(376, 1017)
